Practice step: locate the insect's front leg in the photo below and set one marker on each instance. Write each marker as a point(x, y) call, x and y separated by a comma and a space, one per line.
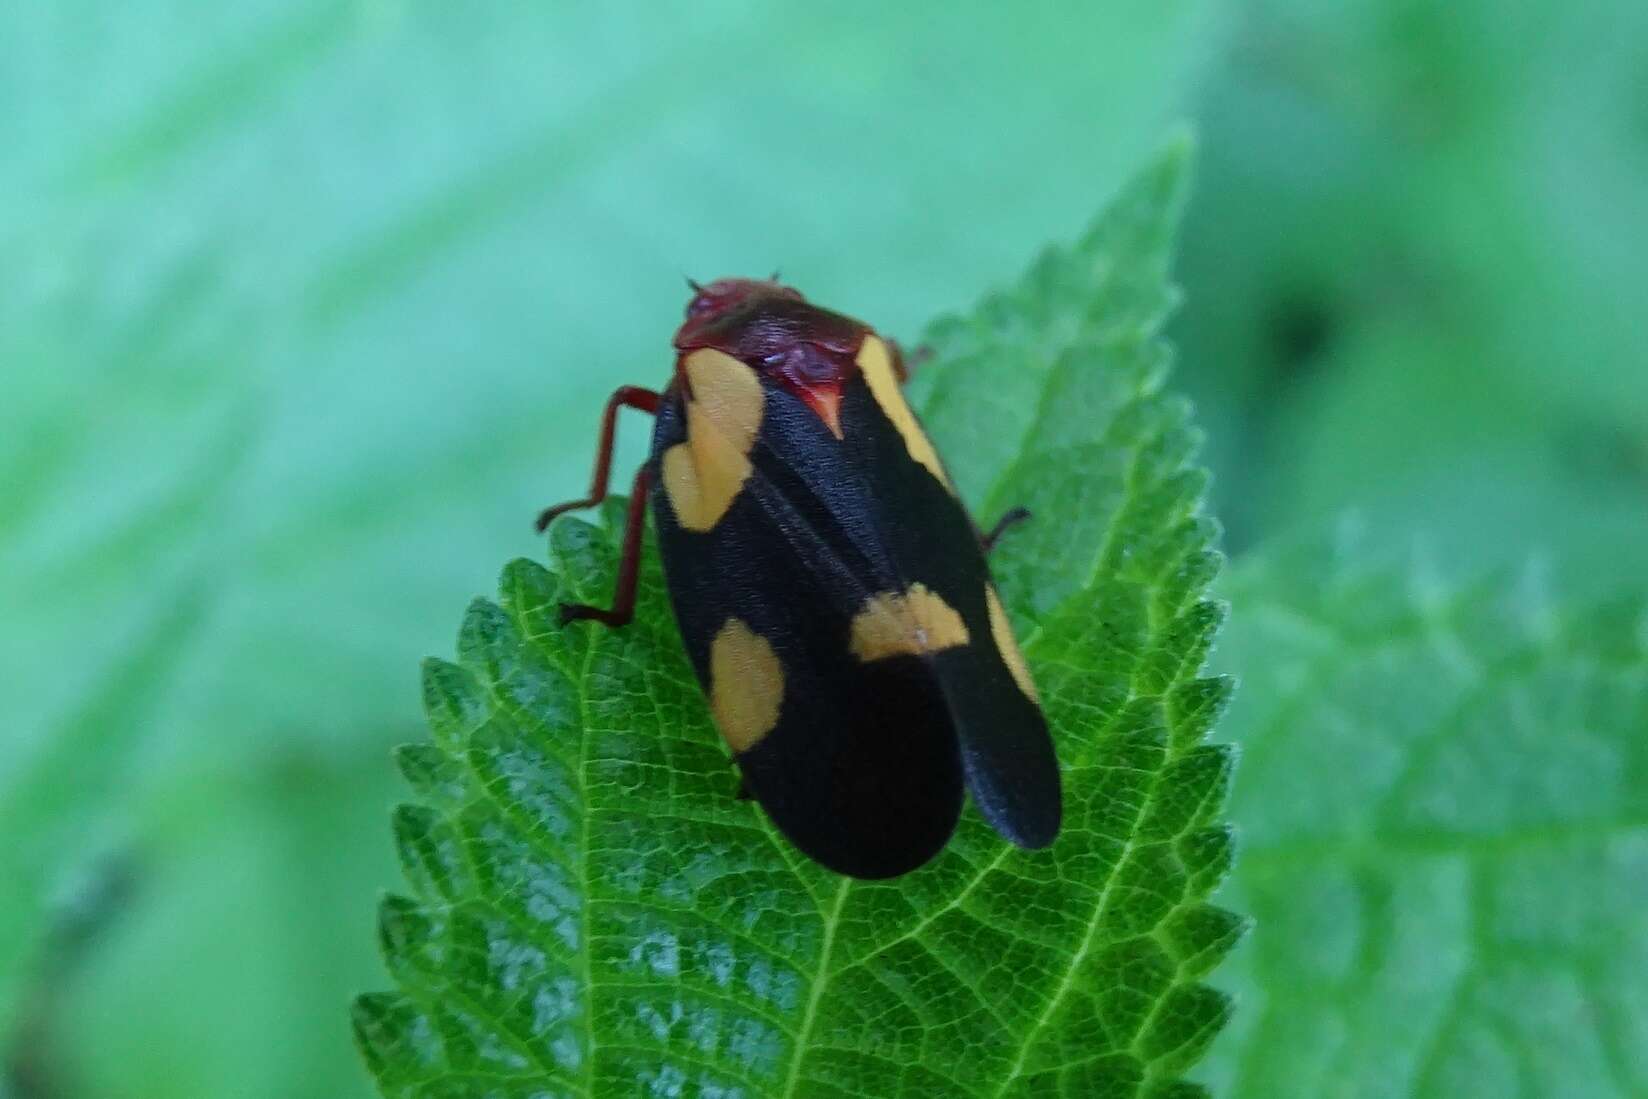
point(629, 563)
point(627, 396)
point(904, 365)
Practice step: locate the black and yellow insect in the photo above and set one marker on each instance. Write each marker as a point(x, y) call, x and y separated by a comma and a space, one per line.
point(831, 589)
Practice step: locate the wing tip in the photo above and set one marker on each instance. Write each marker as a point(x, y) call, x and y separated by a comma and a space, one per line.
point(1027, 819)
point(1031, 831)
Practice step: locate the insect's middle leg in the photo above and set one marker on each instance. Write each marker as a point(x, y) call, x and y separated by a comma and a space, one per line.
point(629, 563)
point(626, 396)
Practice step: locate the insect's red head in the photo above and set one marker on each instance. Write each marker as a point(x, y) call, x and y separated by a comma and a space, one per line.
point(713, 301)
point(771, 328)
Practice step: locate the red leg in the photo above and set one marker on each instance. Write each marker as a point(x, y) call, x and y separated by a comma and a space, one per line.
point(904, 366)
point(629, 564)
point(1007, 522)
point(627, 396)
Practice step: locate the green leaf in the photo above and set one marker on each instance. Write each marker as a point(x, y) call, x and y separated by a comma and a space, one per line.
point(1443, 803)
point(595, 914)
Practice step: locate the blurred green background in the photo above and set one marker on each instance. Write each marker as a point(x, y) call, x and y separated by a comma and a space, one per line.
point(306, 308)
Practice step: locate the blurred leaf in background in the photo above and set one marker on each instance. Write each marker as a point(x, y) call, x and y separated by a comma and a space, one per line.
point(1443, 802)
point(1414, 270)
point(306, 308)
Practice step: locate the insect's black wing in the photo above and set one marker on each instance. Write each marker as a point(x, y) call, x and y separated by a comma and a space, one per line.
point(857, 763)
point(1006, 750)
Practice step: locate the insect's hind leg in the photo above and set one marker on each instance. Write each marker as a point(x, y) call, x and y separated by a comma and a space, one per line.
point(1007, 522)
point(629, 563)
point(626, 396)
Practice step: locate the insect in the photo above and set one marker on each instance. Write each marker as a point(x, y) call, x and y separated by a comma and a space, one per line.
point(832, 591)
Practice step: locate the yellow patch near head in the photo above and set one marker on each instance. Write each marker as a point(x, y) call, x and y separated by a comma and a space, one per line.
point(876, 364)
point(1002, 630)
point(911, 623)
point(746, 685)
point(705, 474)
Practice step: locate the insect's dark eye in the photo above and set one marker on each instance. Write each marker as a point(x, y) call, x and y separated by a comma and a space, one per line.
point(700, 305)
point(808, 364)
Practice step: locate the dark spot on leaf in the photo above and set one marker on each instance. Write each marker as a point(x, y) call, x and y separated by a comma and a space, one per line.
point(1596, 449)
point(1300, 331)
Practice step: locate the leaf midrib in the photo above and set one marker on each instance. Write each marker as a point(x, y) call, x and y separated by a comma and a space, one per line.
point(1067, 981)
point(832, 922)
point(588, 809)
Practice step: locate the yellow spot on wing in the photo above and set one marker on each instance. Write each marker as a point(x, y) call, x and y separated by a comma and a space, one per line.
point(1002, 630)
point(726, 395)
point(746, 685)
point(876, 364)
point(705, 474)
point(910, 623)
